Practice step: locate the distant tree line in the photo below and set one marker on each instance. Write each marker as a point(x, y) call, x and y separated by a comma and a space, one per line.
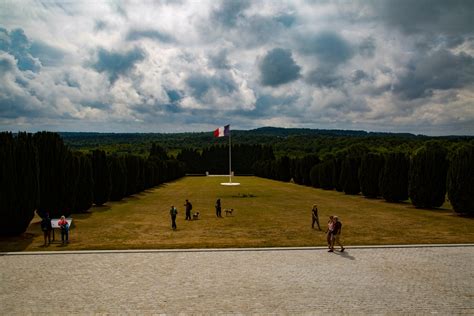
point(423, 176)
point(38, 172)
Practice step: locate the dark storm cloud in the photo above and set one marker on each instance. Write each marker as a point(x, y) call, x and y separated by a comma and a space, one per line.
point(116, 64)
point(48, 55)
point(325, 77)
point(287, 20)
point(441, 70)
point(100, 25)
point(367, 47)
point(269, 106)
point(174, 95)
point(278, 67)
point(135, 35)
point(18, 45)
point(219, 61)
point(201, 84)
point(358, 76)
point(329, 47)
point(228, 12)
point(431, 16)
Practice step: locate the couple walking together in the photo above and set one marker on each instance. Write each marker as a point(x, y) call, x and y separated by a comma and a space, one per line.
point(334, 233)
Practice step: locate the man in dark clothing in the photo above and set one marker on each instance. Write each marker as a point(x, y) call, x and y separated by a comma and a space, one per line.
point(314, 214)
point(173, 213)
point(337, 234)
point(218, 208)
point(46, 227)
point(189, 207)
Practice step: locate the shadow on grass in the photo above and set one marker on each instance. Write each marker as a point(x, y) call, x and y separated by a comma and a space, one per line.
point(431, 209)
point(466, 216)
point(16, 243)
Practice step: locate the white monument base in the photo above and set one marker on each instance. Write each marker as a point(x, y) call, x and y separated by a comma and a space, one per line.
point(230, 183)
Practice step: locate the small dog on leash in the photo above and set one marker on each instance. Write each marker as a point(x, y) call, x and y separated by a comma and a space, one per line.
point(195, 215)
point(228, 211)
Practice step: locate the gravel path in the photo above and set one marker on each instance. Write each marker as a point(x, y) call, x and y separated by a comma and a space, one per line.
point(391, 280)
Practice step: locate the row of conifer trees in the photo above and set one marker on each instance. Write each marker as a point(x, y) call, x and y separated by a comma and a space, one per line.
point(424, 177)
point(38, 172)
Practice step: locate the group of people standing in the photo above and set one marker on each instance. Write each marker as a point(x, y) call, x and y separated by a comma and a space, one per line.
point(188, 206)
point(333, 232)
point(47, 227)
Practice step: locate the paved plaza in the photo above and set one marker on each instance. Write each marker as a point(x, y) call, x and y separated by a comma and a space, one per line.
point(363, 280)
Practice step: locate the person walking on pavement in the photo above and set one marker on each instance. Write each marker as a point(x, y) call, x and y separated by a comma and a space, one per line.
point(218, 208)
point(189, 207)
point(337, 234)
point(173, 213)
point(329, 232)
point(314, 214)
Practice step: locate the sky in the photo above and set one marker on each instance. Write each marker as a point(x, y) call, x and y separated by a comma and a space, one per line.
point(192, 66)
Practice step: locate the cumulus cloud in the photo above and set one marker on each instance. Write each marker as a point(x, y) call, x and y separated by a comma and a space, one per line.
point(278, 67)
point(17, 44)
point(440, 70)
point(328, 47)
point(116, 63)
point(135, 35)
point(228, 13)
point(432, 16)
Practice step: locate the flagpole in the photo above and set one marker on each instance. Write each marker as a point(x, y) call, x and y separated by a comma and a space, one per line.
point(230, 159)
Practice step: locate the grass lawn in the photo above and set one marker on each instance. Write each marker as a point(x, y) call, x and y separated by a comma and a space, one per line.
point(275, 214)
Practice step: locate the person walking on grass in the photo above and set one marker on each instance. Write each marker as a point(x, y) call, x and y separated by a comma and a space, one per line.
point(329, 232)
point(337, 234)
point(46, 227)
point(314, 214)
point(218, 208)
point(173, 213)
point(64, 226)
point(189, 207)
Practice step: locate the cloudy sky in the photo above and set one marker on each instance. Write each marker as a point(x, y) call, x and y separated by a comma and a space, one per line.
point(173, 66)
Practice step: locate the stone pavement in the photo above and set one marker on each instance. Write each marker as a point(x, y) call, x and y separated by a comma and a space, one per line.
point(360, 281)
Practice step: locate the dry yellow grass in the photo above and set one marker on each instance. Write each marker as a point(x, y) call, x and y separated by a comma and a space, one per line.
point(278, 214)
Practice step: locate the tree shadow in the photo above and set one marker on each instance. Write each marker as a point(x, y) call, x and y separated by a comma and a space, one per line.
point(431, 209)
point(17, 243)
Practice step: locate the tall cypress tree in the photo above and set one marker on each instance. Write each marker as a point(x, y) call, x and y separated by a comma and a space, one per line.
point(283, 169)
point(326, 174)
point(369, 174)
point(427, 179)
point(350, 175)
point(118, 177)
point(70, 191)
point(52, 155)
point(27, 186)
point(18, 182)
point(85, 184)
point(132, 168)
point(394, 177)
point(314, 175)
point(101, 176)
point(461, 180)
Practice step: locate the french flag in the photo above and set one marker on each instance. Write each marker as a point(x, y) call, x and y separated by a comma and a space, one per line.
point(222, 131)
